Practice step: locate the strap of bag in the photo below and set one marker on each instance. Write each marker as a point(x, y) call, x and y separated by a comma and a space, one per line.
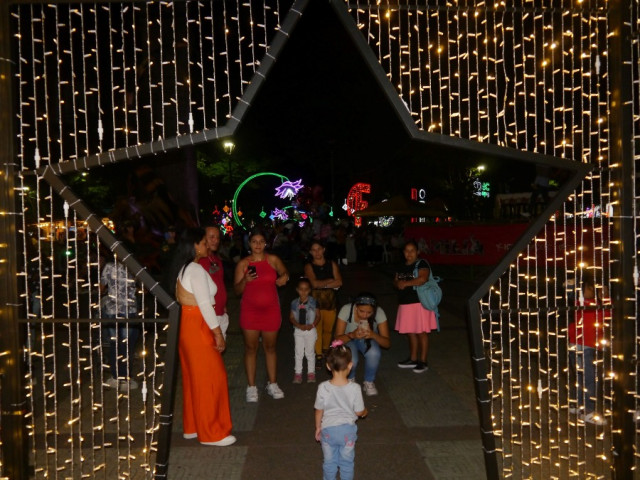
point(415, 270)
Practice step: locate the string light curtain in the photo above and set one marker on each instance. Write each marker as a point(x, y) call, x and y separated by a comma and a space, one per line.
point(94, 78)
point(529, 75)
point(98, 77)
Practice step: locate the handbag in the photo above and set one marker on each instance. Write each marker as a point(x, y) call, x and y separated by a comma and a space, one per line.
point(429, 293)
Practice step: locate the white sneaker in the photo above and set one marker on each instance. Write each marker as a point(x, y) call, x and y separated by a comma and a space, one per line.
point(252, 394)
point(190, 436)
point(594, 418)
point(369, 389)
point(274, 390)
point(225, 442)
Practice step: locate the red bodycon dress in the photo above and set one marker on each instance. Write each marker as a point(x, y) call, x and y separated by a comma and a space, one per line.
point(260, 306)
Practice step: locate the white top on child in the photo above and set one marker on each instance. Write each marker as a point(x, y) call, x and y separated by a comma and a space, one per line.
point(339, 403)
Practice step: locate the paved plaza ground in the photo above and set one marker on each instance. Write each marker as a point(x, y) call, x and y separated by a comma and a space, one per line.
point(420, 426)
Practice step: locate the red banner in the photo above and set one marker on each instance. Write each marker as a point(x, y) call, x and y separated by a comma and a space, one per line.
point(465, 244)
point(568, 246)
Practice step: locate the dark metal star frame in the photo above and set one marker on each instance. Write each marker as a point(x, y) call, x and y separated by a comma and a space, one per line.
point(435, 145)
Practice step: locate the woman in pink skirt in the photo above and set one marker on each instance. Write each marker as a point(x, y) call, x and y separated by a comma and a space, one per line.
point(413, 319)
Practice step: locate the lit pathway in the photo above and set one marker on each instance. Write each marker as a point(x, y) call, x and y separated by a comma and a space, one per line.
point(420, 426)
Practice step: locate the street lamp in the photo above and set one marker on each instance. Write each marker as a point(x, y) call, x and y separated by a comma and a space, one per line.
point(229, 146)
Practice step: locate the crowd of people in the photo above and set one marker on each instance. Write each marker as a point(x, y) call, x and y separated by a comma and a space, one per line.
point(327, 335)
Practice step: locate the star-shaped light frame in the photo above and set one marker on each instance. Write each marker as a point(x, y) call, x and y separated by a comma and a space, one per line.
point(437, 145)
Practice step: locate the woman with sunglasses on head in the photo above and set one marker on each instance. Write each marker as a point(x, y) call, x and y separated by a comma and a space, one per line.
point(363, 327)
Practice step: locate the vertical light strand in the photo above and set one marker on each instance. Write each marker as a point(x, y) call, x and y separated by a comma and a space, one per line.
point(215, 74)
point(252, 26)
point(456, 70)
point(151, 67)
point(21, 69)
point(161, 85)
point(85, 91)
point(190, 64)
point(174, 102)
point(418, 66)
point(113, 69)
point(239, 60)
point(227, 54)
point(200, 26)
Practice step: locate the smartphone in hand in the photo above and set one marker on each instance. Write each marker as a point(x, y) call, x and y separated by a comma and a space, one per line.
point(252, 270)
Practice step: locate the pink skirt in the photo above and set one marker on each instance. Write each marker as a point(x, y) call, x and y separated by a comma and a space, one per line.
point(414, 318)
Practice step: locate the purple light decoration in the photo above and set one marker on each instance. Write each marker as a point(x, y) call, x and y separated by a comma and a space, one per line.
point(289, 189)
point(279, 214)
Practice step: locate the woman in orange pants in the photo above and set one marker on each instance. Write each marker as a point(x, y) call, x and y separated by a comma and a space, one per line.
point(206, 412)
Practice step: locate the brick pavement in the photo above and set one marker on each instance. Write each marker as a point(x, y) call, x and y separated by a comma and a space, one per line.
point(420, 426)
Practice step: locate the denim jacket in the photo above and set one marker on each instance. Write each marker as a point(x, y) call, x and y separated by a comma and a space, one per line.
point(310, 308)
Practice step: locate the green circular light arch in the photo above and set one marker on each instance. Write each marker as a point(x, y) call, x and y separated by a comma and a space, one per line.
point(241, 186)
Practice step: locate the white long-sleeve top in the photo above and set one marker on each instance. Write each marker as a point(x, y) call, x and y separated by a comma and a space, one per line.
point(195, 280)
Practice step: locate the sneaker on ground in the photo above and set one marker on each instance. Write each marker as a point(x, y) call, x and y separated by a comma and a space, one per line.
point(408, 363)
point(369, 389)
point(274, 390)
point(252, 394)
point(421, 368)
point(594, 418)
point(311, 377)
point(297, 378)
point(225, 442)
point(190, 436)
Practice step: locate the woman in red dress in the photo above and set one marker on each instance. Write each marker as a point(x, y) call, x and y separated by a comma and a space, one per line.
point(256, 279)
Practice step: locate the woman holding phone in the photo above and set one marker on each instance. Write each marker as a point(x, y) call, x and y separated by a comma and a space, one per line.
point(257, 277)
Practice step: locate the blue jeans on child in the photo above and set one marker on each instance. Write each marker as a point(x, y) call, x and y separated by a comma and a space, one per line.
point(339, 450)
point(584, 366)
point(371, 358)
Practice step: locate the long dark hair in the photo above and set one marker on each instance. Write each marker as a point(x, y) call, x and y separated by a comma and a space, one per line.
point(185, 253)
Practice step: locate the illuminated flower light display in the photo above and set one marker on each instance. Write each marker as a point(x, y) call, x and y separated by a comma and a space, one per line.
point(289, 189)
point(279, 214)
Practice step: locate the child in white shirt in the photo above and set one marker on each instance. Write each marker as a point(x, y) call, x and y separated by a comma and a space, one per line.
point(338, 405)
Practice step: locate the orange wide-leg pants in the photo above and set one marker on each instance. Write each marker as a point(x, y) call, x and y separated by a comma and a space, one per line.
point(206, 408)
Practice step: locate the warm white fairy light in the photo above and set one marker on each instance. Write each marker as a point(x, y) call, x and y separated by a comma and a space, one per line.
point(445, 63)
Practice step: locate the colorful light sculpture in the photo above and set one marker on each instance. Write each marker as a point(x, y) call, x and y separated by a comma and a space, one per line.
point(236, 214)
point(289, 189)
point(355, 202)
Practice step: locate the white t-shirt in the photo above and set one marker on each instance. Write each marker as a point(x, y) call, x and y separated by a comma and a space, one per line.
point(339, 404)
point(197, 281)
point(352, 325)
